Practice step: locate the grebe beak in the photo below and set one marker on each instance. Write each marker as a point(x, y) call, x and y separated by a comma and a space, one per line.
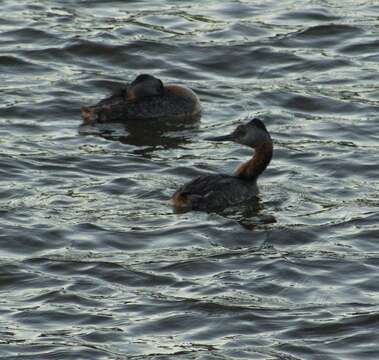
point(229, 137)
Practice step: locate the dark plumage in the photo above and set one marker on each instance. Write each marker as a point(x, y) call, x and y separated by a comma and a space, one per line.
point(218, 191)
point(145, 98)
point(213, 192)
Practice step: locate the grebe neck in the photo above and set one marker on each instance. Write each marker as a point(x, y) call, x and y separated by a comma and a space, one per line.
point(250, 170)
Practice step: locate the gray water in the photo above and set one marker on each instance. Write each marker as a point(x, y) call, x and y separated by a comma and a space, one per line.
point(94, 264)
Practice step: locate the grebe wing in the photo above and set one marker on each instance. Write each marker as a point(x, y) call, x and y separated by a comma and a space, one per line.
point(218, 190)
point(205, 184)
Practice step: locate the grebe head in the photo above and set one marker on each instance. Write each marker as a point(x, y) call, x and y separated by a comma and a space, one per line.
point(252, 134)
point(145, 85)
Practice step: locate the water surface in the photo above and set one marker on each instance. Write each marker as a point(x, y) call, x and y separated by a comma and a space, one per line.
point(94, 263)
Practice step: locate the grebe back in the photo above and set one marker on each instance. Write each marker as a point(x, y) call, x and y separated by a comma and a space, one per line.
point(146, 97)
point(218, 191)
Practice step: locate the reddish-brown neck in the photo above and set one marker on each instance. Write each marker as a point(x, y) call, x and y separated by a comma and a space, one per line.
point(257, 164)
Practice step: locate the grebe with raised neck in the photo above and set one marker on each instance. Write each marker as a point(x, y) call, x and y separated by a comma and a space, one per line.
point(219, 191)
point(146, 97)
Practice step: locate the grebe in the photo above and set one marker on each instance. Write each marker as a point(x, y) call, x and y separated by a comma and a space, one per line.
point(146, 97)
point(218, 191)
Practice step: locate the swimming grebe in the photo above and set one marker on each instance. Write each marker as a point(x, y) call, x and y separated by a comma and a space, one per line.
point(218, 191)
point(146, 97)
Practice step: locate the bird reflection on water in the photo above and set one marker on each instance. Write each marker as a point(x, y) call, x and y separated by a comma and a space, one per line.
point(149, 135)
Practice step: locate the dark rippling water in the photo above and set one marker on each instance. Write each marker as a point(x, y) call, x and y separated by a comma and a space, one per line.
point(95, 265)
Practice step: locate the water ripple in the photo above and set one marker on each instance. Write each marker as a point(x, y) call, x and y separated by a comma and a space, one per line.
point(95, 264)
